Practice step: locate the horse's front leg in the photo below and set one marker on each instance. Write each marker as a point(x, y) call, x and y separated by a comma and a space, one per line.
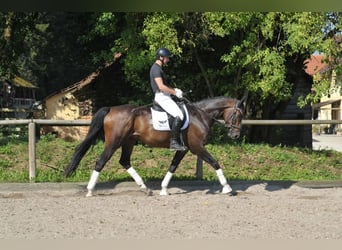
point(174, 164)
point(204, 155)
point(223, 181)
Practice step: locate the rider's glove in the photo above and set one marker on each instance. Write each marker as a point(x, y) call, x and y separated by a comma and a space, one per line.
point(179, 93)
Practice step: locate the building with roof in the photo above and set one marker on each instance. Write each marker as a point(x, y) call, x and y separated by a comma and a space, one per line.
point(330, 105)
point(17, 97)
point(77, 101)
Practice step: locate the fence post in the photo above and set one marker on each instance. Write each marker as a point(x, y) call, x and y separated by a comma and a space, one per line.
point(32, 151)
point(199, 169)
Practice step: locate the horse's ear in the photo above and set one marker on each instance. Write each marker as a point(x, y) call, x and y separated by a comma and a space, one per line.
point(243, 99)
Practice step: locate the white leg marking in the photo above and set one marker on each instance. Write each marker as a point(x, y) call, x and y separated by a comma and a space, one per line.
point(136, 177)
point(226, 188)
point(89, 194)
point(164, 192)
point(92, 182)
point(165, 183)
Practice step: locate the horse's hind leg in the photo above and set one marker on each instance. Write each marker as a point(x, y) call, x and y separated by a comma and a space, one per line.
point(100, 163)
point(125, 161)
point(174, 164)
point(204, 155)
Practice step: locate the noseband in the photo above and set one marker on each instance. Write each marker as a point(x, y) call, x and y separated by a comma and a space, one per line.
point(230, 124)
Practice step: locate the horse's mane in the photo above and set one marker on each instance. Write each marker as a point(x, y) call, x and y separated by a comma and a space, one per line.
point(205, 104)
point(212, 103)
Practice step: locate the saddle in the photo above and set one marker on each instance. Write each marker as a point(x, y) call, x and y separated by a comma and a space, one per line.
point(161, 120)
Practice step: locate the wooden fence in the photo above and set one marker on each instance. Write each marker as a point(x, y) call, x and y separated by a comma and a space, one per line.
point(32, 124)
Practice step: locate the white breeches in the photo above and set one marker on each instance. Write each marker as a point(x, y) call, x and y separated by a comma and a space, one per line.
point(166, 102)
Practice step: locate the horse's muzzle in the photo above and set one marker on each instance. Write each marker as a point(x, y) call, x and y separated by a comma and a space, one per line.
point(234, 134)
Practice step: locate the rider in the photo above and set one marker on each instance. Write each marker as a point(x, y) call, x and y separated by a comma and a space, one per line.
point(162, 96)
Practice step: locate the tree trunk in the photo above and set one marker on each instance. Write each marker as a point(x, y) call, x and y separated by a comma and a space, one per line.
point(204, 73)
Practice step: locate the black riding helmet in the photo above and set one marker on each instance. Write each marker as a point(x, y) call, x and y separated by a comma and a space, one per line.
point(163, 52)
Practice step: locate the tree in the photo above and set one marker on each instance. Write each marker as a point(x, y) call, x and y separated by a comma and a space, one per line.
point(331, 47)
point(214, 53)
point(17, 41)
point(64, 56)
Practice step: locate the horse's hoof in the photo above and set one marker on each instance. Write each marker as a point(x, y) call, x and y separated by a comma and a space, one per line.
point(89, 194)
point(147, 191)
point(227, 189)
point(232, 193)
point(164, 192)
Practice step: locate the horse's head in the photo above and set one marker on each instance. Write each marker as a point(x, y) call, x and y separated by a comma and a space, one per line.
point(232, 111)
point(233, 119)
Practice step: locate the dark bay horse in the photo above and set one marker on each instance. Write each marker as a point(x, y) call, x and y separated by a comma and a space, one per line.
point(122, 126)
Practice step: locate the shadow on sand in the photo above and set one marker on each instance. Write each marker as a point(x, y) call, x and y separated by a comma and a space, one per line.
point(208, 187)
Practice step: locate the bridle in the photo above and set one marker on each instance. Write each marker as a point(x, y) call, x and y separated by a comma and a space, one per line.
point(230, 123)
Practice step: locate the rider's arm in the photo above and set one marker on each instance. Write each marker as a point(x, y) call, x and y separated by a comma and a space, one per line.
point(163, 87)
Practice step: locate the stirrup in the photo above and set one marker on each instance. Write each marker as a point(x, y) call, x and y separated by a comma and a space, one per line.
point(174, 145)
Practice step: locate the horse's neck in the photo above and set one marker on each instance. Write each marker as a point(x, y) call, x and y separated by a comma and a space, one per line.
point(214, 112)
point(206, 116)
point(214, 107)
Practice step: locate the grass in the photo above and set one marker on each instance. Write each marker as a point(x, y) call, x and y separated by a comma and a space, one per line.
point(240, 161)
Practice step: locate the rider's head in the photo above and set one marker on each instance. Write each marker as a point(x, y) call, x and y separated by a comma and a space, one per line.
point(163, 54)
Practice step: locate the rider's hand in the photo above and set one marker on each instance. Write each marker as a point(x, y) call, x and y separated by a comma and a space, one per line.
point(179, 93)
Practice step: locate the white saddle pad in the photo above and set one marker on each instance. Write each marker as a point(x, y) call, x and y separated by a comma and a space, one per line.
point(160, 120)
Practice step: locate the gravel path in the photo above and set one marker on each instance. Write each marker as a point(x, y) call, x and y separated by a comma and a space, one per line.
point(258, 211)
point(327, 141)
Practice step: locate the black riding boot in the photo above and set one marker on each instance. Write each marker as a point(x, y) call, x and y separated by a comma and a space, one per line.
point(175, 133)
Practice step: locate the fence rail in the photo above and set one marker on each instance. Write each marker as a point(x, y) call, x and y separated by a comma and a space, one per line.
point(33, 122)
point(87, 122)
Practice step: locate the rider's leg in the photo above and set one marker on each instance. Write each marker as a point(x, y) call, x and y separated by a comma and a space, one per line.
point(172, 108)
point(175, 135)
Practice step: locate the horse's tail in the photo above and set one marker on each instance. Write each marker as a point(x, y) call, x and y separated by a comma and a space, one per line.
point(95, 132)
